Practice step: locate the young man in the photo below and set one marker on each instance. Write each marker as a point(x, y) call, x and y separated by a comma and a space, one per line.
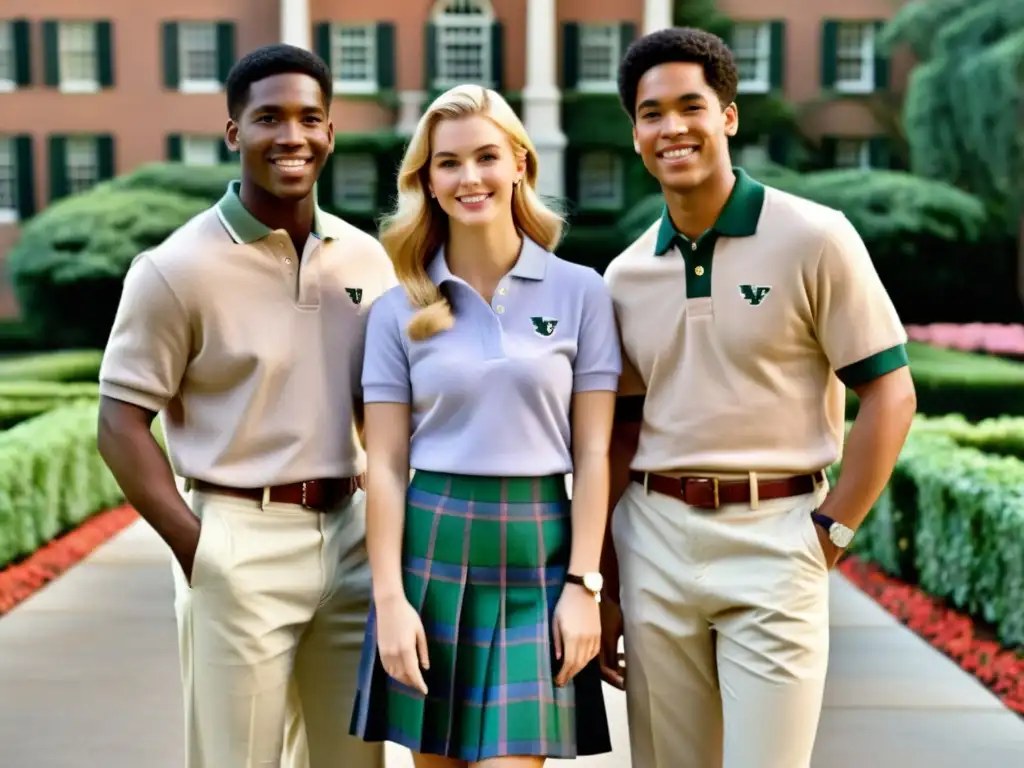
point(743, 311)
point(244, 330)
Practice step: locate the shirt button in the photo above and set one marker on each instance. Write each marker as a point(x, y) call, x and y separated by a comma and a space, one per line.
point(693, 246)
point(499, 309)
point(287, 261)
point(502, 291)
point(698, 270)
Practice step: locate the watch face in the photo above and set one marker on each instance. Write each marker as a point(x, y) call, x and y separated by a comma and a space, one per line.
point(593, 581)
point(840, 535)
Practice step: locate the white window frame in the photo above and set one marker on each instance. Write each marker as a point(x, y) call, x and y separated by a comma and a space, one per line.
point(195, 149)
point(865, 52)
point(87, 148)
point(359, 172)
point(189, 35)
point(759, 51)
point(343, 84)
point(69, 35)
point(597, 36)
point(8, 179)
point(614, 179)
point(859, 150)
point(8, 55)
point(452, 20)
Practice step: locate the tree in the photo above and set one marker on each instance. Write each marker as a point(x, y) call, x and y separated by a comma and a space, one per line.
point(965, 100)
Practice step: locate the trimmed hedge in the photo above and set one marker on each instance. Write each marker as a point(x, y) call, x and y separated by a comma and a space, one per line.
point(51, 478)
point(22, 400)
point(64, 365)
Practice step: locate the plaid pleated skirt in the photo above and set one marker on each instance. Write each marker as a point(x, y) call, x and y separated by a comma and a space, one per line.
point(484, 563)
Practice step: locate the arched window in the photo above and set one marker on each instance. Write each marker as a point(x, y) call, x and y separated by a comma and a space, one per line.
point(463, 44)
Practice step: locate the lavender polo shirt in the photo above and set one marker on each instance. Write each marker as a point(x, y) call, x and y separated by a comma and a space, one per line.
point(490, 396)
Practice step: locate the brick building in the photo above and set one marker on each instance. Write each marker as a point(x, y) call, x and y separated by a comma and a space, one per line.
point(90, 90)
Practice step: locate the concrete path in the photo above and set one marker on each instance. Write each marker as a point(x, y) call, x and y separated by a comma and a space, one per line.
point(88, 677)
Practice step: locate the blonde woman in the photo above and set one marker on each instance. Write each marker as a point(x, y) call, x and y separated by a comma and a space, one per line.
point(479, 367)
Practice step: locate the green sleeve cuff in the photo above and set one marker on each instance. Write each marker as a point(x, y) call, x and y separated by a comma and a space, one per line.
point(870, 368)
point(629, 409)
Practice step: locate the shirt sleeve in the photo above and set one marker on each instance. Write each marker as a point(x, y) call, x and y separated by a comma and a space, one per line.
point(856, 322)
point(598, 358)
point(150, 342)
point(385, 362)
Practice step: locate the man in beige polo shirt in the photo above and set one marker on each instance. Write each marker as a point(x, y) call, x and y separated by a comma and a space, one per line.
point(244, 331)
point(743, 313)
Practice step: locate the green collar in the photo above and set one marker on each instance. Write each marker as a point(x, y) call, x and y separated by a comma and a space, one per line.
point(246, 228)
point(738, 218)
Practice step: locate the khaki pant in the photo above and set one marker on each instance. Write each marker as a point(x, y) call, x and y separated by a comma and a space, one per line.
point(270, 635)
point(726, 630)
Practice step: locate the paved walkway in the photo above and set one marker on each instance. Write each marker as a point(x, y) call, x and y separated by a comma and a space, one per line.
point(88, 677)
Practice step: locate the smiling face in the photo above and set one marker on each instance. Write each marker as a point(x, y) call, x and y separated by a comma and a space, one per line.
point(472, 169)
point(283, 135)
point(681, 130)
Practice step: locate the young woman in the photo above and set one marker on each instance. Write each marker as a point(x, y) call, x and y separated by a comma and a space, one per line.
point(490, 371)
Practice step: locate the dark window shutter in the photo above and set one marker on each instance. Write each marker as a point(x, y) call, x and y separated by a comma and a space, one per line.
point(51, 56)
point(227, 155)
point(174, 147)
point(777, 62)
point(20, 30)
point(325, 184)
point(58, 167)
point(385, 56)
point(498, 56)
point(105, 53)
point(879, 153)
point(430, 56)
point(778, 148)
point(572, 177)
point(828, 152)
point(26, 175)
point(570, 55)
point(829, 53)
point(225, 49)
point(881, 62)
point(322, 42)
point(627, 33)
point(105, 157)
point(172, 69)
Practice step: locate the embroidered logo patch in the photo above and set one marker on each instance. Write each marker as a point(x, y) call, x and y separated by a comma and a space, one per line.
point(356, 294)
point(543, 326)
point(754, 294)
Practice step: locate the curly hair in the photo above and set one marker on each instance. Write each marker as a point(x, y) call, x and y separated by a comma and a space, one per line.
point(678, 44)
point(270, 60)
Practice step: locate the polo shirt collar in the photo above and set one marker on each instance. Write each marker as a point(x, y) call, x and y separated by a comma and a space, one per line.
point(532, 264)
point(738, 218)
point(246, 228)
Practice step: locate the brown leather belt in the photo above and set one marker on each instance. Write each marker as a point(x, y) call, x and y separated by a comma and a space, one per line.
point(711, 492)
point(318, 495)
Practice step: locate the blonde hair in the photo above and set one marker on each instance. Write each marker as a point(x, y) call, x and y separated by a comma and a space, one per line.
point(417, 227)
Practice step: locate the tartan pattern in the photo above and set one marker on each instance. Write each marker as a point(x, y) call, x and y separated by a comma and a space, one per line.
point(484, 563)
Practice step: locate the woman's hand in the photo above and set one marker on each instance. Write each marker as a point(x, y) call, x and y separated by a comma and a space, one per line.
point(577, 631)
point(401, 642)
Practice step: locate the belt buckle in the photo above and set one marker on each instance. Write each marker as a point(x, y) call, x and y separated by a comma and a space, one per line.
point(705, 480)
point(305, 505)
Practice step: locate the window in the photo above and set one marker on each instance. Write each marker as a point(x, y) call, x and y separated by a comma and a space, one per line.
point(8, 181)
point(8, 75)
point(752, 50)
point(200, 150)
point(353, 58)
point(77, 56)
point(600, 181)
point(355, 182)
point(853, 153)
point(599, 57)
point(463, 52)
point(83, 167)
point(855, 57)
point(197, 52)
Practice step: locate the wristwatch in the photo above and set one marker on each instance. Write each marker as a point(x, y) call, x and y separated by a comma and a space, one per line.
point(593, 582)
point(838, 534)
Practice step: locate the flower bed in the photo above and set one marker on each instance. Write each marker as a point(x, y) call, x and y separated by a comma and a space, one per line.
point(20, 581)
point(1001, 670)
point(991, 338)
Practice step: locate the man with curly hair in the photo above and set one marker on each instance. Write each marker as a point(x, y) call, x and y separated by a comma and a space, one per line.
point(743, 313)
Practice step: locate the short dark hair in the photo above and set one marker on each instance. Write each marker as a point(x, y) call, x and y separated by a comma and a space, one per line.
point(270, 60)
point(678, 44)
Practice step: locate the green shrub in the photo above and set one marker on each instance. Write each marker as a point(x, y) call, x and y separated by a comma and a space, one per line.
point(68, 265)
point(207, 183)
point(22, 400)
point(51, 478)
point(64, 365)
point(16, 337)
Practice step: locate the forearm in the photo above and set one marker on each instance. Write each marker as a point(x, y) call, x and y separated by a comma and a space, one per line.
point(872, 447)
point(385, 524)
point(589, 511)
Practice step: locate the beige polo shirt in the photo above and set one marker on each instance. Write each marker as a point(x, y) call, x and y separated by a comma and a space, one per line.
point(744, 338)
point(251, 353)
